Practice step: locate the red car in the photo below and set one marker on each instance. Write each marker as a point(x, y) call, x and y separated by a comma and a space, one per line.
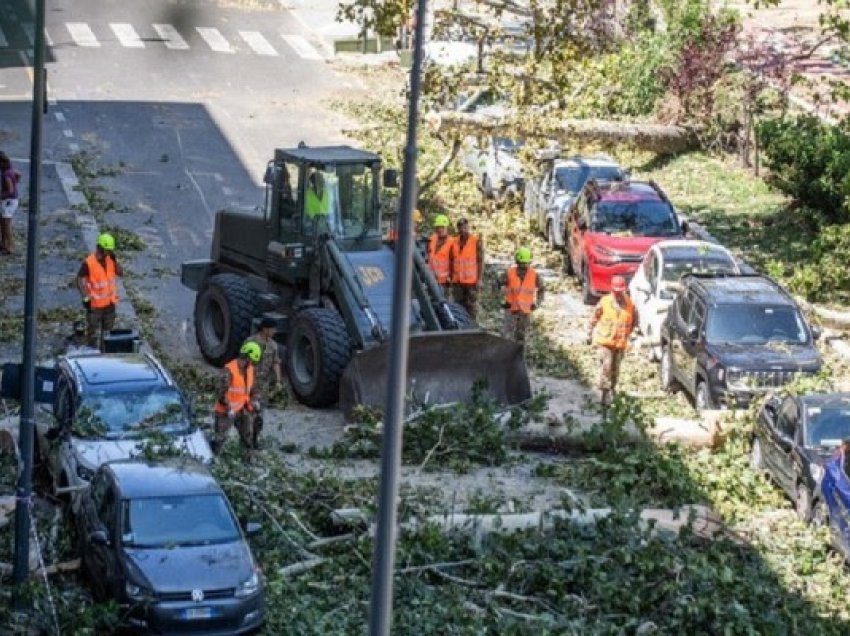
point(611, 226)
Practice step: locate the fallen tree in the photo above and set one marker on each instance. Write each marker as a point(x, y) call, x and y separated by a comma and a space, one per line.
point(658, 138)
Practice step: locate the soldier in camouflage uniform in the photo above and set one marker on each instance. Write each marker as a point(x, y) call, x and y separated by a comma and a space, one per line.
point(270, 369)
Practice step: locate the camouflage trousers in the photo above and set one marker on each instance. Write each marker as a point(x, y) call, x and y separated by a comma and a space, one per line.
point(467, 295)
point(609, 368)
point(516, 326)
point(249, 425)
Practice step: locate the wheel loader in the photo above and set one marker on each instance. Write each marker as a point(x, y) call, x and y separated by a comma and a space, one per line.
point(315, 261)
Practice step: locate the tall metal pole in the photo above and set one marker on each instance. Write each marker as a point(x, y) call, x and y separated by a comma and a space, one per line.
point(25, 439)
point(380, 617)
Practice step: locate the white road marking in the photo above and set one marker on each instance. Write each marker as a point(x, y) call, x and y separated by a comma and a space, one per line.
point(216, 41)
point(171, 37)
point(226, 191)
point(256, 41)
point(74, 147)
point(218, 177)
point(60, 116)
point(82, 34)
point(302, 47)
point(127, 35)
point(68, 133)
point(3, 41)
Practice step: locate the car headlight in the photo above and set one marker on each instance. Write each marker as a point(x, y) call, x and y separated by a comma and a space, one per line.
point(138, 592)
point(604, 255)
point(248, 587)
point(84, 472)
point(816, 471)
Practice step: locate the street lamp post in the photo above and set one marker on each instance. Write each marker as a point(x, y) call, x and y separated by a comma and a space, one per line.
point(27, 428)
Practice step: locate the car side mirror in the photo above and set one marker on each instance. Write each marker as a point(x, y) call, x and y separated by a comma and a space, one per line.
point(98, 537)
point(390, 178)
point(693, 332)
point(817, 332)
point(582, 225)
point(685, 227)
point(253, 528)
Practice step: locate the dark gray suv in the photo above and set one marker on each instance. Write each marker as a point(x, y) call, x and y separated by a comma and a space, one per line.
point(161, 539)
point(729, 339)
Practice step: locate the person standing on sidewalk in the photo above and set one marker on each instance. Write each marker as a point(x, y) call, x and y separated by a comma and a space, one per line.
point(440, 251)
point(8, 201)
point(237, 402)
point(98, 286)
point(467, 265)
point(610, 329)
point(523, 293)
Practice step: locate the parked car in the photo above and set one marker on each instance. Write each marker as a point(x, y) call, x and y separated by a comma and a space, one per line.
point(549, 194)
point(727, 340)
point(103, 407)
point(832, 504)
point(162, 541)
point(495, 166)
point(611, 226)
point(794, 437)
point(656, 281)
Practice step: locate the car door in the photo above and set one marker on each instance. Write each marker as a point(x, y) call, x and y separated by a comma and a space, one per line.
point(677, 335)
point(779, 451)
point(692, 342)
point(103, 561)
point(58, 446)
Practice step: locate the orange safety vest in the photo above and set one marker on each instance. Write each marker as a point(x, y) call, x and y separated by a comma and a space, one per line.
point(239, 391)
point(465, 261)
point(100, 282)
point(614, 323)
point(520, 294)
point(440, 260)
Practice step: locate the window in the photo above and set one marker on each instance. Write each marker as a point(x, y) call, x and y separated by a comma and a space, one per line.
point(697, 317)
point(114, 415)
point(106, 511)
point(630, 216)
point(756, 324)
point(155, 522)
point(62, 407)
point(573, 178)
point(342, 199)
point(827, 425)
point(684, 307)
point(787, 420)
point(287, 193)
point(651, 272)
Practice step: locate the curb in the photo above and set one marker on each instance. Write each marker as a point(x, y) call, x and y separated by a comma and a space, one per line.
point(89, 228)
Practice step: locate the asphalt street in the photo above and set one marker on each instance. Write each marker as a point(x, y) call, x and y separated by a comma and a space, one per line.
point(186, 100)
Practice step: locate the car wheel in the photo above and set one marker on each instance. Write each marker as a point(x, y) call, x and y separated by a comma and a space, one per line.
point(668, 382)
point(756, 457)
point(803, 503)
point(587, 296)
point(703, 397)
point(487, 187)
point(820, 514)
point(550, 237)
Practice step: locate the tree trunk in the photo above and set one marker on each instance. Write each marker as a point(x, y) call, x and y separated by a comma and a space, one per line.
point(658, 138)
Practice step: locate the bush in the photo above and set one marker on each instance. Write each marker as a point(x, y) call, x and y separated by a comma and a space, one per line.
point(810, 161)
point(826, 277)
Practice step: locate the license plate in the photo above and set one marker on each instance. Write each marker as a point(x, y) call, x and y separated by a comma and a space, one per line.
point(195, 613)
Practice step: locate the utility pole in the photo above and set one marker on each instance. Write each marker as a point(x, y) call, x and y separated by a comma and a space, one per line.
point(27, 428)
point(381, 608)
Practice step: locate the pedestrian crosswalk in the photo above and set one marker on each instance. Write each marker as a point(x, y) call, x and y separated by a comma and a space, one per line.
point(17, 35)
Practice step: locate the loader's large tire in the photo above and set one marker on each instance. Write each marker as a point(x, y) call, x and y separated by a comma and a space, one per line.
point(317, 352)
point(224, 309)
point(464, 320)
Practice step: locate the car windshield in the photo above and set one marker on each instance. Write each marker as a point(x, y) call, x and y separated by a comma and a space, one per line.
point(114, 415)
point(163, 522)
point(756, 325)
point(635, 218)
point(573, 178)
point(674, 269)
point(827, 426)
point(345, 197)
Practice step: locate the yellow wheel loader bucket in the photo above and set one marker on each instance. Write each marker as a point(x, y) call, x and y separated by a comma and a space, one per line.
point(442, 367)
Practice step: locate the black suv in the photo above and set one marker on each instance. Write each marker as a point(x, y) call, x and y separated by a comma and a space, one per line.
point(726, 340)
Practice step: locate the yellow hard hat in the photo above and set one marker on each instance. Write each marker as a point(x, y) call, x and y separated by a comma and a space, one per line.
point(441, 220)
point(523, 255)
point(252, 351)
point(106, 242)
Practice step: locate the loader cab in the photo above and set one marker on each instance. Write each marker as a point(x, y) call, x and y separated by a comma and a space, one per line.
point(315, 191)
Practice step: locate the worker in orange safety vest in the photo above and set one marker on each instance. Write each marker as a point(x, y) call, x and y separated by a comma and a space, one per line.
point(467, 263)
point(440, 251)
point(96, 280)
point(610, 329)
point(237, 402)
point(523, 293)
